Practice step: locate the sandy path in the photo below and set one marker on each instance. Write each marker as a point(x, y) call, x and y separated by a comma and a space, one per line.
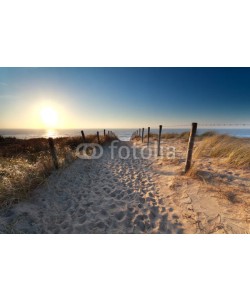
point(95, 196)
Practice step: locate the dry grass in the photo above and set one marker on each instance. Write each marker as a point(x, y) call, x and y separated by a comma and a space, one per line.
point(18, 176)
point(207, 134)
point(25, 164)
point(152, 135)
point(234, 151)
point(171, 135)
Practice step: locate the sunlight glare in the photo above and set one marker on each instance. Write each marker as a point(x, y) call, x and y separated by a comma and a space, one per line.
point(49, 117)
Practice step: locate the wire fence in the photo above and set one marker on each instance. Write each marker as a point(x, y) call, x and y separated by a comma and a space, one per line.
point(212, 125)
point(201, 125)
point(192, 133)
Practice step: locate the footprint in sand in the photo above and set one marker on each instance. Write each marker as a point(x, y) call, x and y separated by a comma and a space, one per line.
point(175, 216)
point(141, 225)
point(112, 206)
point(163, 209)
point(160, 201)
point(114, 194)
point(153, 213)
point(80, 228)
point(130, 209)
point(101, 225)
point(82, 219)
point(142, 200)
point(120, 215)
point(104, 213)
point(65, 225)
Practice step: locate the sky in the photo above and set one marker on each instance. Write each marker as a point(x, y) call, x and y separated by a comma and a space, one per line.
point(122, 97)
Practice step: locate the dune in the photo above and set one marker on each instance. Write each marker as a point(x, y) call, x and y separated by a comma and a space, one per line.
point(214, 196)
point(137, 195)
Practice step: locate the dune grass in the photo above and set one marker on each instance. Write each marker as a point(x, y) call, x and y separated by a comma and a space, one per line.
point(168, 135)
point(234, 151)
point(25, 164)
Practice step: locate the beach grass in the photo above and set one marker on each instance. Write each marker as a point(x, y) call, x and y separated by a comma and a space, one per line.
point(26, 163)
point(170, 135)
point(232, 150)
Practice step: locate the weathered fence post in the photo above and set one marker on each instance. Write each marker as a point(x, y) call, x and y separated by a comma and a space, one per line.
point(159, 140)
point(104, 132)
point(148, 134)
point(142, 135)
point(190, 146)
point(53, 153)
point(98, 138)
point(83, 136)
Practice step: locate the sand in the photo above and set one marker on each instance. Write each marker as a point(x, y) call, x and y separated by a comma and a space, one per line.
point(136, 196)
point(95, 196)
point(218, 201)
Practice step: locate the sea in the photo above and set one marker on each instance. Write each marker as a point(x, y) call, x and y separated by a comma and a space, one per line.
point(123, 134)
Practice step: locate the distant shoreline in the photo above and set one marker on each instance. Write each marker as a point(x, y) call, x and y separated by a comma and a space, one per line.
point(123, 134)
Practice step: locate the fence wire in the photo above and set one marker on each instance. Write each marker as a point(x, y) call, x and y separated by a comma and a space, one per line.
point(207, 125)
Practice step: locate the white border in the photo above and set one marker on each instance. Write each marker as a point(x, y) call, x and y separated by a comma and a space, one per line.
point(124, 33)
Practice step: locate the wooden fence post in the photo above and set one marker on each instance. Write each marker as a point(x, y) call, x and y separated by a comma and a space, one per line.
point(98, 138)
point(148, 134)
point(190, 146)
point(142, 135)
point(159, 140)
point(53, 153)
point(83, 136)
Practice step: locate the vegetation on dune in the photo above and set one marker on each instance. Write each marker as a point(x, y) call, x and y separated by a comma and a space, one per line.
point(18, 176)
point(170, 135)
point(25, 164)
point(235, 151)
point(207, 134)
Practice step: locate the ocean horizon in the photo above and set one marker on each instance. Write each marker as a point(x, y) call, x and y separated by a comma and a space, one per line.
point(123, 134)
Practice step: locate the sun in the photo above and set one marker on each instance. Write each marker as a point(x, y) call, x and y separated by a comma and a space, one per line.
point(49, 117)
